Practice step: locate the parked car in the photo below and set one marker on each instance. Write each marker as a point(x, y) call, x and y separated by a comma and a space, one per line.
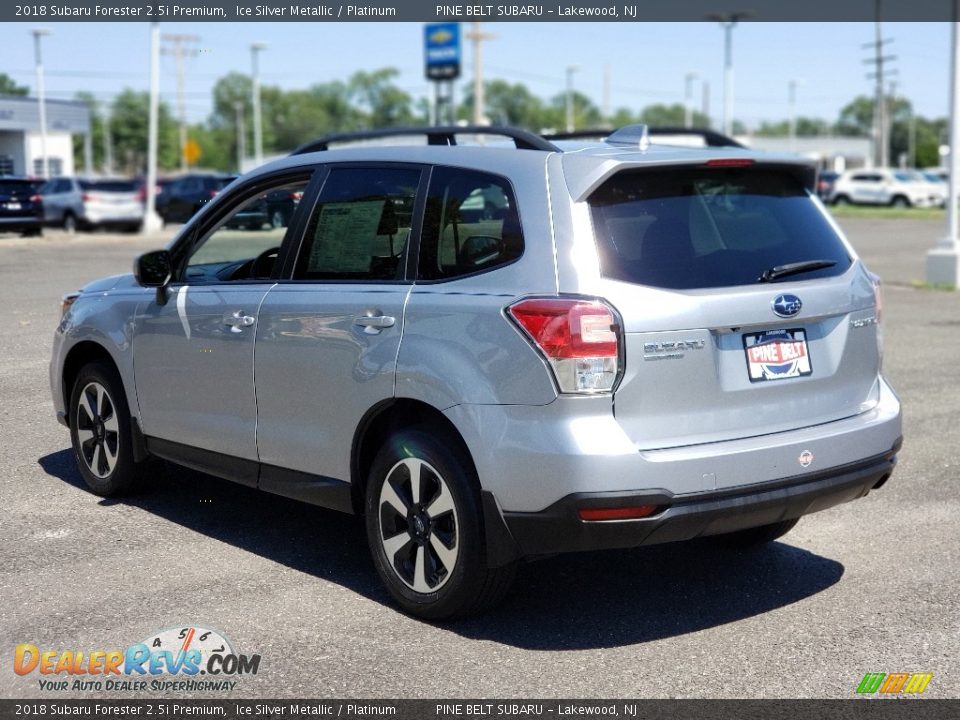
point(273, 208)
point(185, 196)
point(825, 182)
point(624, 345)
point(76, 203)
point(21, 209)
point(898, 188)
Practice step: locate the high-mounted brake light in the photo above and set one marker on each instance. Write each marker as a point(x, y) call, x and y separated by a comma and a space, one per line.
point(579, 338)
point(729, 162)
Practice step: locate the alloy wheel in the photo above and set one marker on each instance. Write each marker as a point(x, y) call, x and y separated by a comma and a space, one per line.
point(98, 430)
point(419, 528)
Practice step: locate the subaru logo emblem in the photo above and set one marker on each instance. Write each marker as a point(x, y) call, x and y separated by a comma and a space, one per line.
point(787, 305)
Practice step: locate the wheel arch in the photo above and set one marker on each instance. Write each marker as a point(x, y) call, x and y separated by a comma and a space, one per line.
point(380, 422)
point(81, 355)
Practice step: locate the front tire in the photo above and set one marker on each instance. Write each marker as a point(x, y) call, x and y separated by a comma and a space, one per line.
point(100, 431)
point(425, 529)
point(900, 202)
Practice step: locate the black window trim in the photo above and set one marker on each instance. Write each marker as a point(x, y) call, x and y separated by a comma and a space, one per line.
point(185, 246)
point(416, 224)
point(482, 271)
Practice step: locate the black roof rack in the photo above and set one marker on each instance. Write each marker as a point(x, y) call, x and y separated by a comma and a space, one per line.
point(710, 137)
point(441, 135)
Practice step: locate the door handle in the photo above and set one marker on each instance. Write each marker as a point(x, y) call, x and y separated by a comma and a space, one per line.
point(373, 324)
point(236, 321)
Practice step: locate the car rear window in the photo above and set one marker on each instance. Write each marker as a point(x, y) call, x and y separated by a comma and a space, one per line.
point(108, 185)
point(17, 186)
point(704, 227)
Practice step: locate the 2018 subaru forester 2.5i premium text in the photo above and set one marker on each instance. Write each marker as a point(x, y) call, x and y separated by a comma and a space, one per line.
point(498, 352)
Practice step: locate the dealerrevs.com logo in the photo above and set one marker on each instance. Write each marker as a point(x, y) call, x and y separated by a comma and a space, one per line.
point(187, 659)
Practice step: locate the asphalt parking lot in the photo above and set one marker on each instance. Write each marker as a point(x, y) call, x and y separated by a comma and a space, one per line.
point(871, 586)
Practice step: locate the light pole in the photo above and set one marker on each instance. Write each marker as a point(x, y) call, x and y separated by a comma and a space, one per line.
point(41, 99)
point(255, 49)
point(571, 124)
point(151, 222)
point(943, 262)
point(728, 21)
point(241, 136)
point(688, 98)
point(478, 37)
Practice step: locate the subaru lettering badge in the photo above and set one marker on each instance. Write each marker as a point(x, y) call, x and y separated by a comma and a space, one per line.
point(787, 305)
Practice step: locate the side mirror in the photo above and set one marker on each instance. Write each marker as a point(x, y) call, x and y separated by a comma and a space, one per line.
point(154, 269)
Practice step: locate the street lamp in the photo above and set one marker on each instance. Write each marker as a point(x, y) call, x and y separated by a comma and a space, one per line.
point(728, 21)
point(571, 69)
point(255, 49)
point(688, 98)
point(41, 98)
point(792, 98)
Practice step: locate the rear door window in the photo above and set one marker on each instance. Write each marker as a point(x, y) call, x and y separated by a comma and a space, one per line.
point(707, 227)
point(361, 225)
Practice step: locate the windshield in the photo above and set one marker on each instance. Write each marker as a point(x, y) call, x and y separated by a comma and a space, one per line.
point(703, 227)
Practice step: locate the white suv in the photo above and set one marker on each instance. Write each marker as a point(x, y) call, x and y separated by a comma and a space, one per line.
point(899, 188)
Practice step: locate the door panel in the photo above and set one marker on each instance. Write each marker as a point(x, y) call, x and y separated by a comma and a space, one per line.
point(319, 371)
point(193, 363)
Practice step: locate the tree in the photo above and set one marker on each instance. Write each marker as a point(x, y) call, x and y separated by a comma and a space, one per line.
point(9, 86)
point(129, 125)
point(383, 103)
point(507, 104)
point(96, 133)
point(671, 116)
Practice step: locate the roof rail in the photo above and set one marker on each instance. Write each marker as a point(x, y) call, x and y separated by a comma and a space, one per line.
point(710, 137)
point(440, 135)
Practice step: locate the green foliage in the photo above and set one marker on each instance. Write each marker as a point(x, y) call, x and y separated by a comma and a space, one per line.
point(9, 86)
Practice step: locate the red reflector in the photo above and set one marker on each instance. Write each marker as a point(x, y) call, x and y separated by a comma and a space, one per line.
point(624, 513)
point(568, 328)
point(729, 162)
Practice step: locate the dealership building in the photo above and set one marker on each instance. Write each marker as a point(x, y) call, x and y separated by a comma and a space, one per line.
point(20, 138)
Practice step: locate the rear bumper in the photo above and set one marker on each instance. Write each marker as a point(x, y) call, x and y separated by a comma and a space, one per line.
point(12, 223)
point(559, 528)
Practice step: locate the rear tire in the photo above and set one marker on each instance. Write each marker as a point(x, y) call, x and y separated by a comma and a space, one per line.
point(841, 200)
point(69, 223)
point(100, 431)
point(425, 529)
point(752, 537)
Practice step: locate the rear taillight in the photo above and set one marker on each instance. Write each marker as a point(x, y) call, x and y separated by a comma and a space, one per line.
point(86, 197)
point(581, 339)
point(35, 199)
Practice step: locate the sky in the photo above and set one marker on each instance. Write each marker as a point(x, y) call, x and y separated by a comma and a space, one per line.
point(647, 61)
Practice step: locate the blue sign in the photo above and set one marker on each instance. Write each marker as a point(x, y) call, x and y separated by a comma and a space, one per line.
point(441, 47)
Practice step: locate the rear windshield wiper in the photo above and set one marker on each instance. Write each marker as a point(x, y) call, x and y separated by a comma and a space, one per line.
point(796, 268)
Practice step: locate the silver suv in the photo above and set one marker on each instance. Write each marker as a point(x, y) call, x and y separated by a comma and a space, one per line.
point(497, 352)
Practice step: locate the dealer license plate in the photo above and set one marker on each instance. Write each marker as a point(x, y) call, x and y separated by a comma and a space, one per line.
point(777, 355)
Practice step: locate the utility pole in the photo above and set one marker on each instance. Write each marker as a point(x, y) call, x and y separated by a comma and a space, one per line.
point(605, 109)
point(151, 222)
point(705, 109)
point(107, 143)
point(478, 37)
point(180, 49)
point(792, 102)
point(688, 98)
point(881, 150)
point(255, 49)
point(728, 21)
point(241, 135)
point(571, 121)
